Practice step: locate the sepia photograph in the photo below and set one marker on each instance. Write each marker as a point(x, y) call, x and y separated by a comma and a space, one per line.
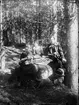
point(39, 61)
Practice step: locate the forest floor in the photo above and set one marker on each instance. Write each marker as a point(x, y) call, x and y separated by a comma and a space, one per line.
point(48, 94)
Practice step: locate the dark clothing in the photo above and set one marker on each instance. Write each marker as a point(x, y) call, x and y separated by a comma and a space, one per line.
point(23, 55)
point(56, 54)
point(56, 50)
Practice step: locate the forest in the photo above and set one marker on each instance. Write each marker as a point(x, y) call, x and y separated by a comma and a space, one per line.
point(22, 24)
point(28, 21)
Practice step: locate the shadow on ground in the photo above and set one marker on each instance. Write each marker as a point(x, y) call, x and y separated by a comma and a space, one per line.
point(47, 94)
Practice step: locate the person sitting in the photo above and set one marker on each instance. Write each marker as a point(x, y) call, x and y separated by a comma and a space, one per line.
point(25, 56)
point(56, 54)
point(37, 49)
point(55, 50)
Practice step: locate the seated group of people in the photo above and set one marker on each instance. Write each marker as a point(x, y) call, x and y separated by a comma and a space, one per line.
point(54, 49)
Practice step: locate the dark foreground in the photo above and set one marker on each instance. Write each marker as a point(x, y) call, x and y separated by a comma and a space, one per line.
point(47, 94)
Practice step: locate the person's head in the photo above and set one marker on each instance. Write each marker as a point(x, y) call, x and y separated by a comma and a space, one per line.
point(53, 40)
point(36, 44)
point(23, 50)
point(26, 51)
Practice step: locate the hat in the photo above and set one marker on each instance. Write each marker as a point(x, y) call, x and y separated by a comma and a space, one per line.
point(60, 71)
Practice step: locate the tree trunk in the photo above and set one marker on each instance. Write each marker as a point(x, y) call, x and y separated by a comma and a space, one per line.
point(56, 31)
point(72, 49)
point(3, 61)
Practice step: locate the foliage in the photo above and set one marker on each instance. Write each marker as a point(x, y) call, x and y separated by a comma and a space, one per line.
point(29, 19)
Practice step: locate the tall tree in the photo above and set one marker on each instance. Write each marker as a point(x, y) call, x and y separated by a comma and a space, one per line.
point(72, 45)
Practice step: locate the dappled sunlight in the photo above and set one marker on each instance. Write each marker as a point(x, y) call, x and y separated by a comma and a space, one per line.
point(39, 56)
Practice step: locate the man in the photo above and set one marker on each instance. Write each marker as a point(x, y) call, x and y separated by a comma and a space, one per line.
point(25, 57)
point(37, 49)
point(56, 50)
point(55, 53)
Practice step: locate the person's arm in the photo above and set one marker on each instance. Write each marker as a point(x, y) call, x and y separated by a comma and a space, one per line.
point(60, 50)
point(23, 59)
